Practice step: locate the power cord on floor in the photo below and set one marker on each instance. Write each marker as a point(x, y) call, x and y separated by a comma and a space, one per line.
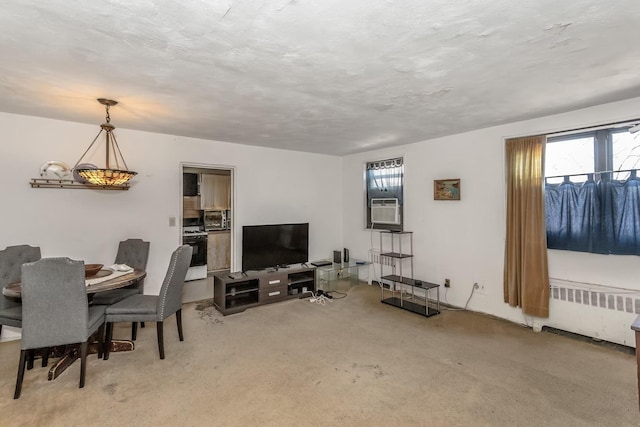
point(473, 289)
point(446, 301)
point(475, 286)
point(319, 298)
point(342, 294)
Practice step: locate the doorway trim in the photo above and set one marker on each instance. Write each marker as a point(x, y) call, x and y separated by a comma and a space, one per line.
point(234, 215)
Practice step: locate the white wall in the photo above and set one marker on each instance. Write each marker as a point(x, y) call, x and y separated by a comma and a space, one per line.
point(464, 240)
point(271, 186)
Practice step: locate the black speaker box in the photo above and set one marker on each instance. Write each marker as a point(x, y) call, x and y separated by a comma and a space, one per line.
point(346, 254)
point(337, 257)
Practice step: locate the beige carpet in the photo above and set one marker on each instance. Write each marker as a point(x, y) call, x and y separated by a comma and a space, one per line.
point(352, 362)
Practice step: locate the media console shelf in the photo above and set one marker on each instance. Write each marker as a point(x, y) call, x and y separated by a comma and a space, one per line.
point(234, 293)
point(240, 293)
point(301, 282)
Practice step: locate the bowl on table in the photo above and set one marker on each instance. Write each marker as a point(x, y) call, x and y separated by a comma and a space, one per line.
point(92, 269)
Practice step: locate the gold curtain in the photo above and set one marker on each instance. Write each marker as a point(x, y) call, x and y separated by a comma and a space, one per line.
point(526, 274)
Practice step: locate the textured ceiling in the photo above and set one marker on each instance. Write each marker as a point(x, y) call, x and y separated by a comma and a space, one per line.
point(329, 76)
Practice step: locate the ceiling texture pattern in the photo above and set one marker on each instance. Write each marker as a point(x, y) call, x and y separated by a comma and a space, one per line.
point(331, 76)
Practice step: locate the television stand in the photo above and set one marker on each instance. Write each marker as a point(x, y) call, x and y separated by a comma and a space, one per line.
point(235, 292)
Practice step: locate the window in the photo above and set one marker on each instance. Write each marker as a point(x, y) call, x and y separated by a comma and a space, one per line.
point(592, 193)
point(384, 180)
point(569, 157)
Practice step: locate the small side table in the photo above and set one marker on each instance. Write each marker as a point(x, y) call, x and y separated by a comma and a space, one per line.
point(328, 275)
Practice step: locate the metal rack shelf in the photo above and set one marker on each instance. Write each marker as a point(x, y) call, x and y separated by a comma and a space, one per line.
point(399, 284)
point(413, 307)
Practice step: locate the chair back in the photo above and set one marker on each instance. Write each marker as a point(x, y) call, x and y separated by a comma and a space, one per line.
point(170, 297)
point(55, 308)
point(134, 253)
point(11, 260)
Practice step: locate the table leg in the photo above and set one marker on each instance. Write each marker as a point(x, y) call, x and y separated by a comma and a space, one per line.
point(120, 345)
point(64, 362)
point(73, 352)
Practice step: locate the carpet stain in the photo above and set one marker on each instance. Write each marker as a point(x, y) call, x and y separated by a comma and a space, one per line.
point(207, 312)
point(204, 305)
point(373, 370)
point(110, 389)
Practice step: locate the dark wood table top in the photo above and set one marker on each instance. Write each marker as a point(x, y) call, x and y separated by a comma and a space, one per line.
point(14, 290)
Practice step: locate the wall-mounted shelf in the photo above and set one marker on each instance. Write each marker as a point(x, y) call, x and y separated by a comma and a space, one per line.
point(69, 183)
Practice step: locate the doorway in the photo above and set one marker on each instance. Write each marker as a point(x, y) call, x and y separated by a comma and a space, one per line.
point(207, 216)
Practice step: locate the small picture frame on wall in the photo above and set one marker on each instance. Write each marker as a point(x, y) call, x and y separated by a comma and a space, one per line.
point(446, 189)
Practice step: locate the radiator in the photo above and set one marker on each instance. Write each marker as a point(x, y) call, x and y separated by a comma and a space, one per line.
point(375, 258)
point(596, 295)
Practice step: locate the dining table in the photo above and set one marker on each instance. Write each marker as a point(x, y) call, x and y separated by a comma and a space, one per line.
point(102, 281)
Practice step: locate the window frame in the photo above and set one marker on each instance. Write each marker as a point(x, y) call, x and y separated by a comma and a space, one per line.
point(367, 215)
point(604, 229)
point(602, 151)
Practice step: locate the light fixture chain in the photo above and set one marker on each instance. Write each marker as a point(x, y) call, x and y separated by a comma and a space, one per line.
point(87, 150)
point(107, 176)
point(117, 148)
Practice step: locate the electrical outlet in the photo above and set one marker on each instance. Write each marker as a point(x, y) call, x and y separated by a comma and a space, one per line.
point(447, 283)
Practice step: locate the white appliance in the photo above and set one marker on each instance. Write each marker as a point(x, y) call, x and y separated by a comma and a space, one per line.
point(195, 237)
point(196, 273)
point(385, 211)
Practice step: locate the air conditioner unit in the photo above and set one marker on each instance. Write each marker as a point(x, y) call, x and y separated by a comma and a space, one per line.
point(385, 211)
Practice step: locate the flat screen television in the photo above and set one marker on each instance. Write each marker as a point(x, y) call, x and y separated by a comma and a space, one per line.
point(274, 245)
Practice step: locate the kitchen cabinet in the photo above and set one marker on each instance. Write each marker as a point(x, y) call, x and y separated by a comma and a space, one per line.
point(190, 184)
point(190, 206)
point(215, 191)
point(219, 250)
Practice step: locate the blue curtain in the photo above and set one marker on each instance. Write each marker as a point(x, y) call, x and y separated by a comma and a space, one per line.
point(601, 217)
point(621, 216)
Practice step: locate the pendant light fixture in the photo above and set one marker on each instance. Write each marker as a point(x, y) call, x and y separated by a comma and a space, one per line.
point(113, 174)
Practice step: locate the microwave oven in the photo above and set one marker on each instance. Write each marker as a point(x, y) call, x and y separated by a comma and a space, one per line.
point(215, 220)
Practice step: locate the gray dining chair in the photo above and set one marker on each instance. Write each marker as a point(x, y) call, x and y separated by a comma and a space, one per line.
point(154, 308)
point(56, 312)
point(134, 253)
point(11, 260)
